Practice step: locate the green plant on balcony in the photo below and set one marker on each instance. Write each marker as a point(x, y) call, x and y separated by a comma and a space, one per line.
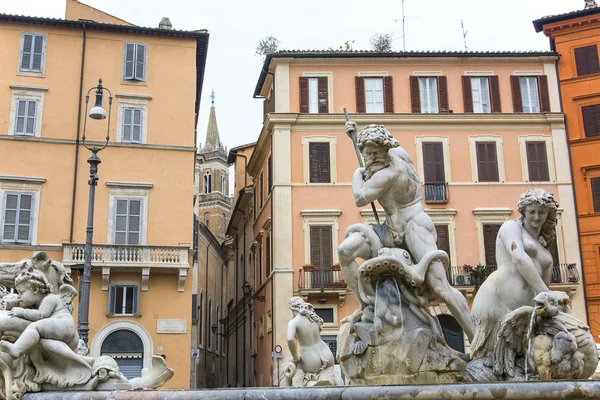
point(480, 273)
point(308, 267)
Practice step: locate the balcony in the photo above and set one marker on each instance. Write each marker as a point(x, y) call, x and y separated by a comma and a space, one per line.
point(436, 192)
point(322, 282)
point(126, 257)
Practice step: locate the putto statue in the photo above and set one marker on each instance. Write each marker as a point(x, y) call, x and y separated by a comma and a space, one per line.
point(40, 349)
point(403, 268)
point(312, 362)
point(513, 340)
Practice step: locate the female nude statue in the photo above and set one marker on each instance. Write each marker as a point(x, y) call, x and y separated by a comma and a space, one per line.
point(524, 268)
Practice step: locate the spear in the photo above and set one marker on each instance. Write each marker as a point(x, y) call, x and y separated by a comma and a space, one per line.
point(377, 227)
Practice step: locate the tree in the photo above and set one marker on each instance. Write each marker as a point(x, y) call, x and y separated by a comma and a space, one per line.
point(381, 42)
point(266, 46)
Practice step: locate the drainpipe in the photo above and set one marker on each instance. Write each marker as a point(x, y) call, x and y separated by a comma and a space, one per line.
point(237, 364)
point(244, 305)
point(83, 43)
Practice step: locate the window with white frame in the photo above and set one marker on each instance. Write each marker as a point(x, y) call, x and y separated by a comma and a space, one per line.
point(17, 217)
point(480, 90)
point(32, 52)
point(134, 63)
point(123, 300)
point(529, 94)
point(132, 125)
point(429, 95)
point(25, 118)
point(128, 221)
point(207, 182)
point(374, 95)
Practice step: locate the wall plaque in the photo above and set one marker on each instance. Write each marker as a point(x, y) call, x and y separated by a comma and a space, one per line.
point(171, 326)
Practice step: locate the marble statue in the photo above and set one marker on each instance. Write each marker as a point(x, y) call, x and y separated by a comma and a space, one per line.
point(40, 349)
point(312, 362)
point(517, 341)
point(403, 269)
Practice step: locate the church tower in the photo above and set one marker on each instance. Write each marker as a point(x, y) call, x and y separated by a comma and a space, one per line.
point(212, 203)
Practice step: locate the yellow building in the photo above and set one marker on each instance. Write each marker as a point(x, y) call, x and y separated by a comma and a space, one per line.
point(143, 227)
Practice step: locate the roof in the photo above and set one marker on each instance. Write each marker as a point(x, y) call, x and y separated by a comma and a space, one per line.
point(391, 54)
point(538, 24)
point(233, 151)
point(201, 37)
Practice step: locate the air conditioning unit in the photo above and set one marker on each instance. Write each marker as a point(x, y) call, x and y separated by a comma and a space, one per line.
point(462, 280)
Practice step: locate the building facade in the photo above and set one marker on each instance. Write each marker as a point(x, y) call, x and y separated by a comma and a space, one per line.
point(140, 298)
point(481, 128)
point(576, 37)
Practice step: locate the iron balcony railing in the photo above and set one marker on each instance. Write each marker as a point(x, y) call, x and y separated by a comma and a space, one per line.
point(467, 275)
point(436, 192)
point(324, 279)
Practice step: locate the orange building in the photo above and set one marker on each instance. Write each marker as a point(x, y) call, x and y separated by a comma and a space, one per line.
point(576, 37)
point(141, 299)
point(481, 128)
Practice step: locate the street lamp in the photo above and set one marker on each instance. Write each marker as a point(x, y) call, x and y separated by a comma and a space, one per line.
point(247, 289)
point(97, 112)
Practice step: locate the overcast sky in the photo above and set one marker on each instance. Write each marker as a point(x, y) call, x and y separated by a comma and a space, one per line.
point(236, 26)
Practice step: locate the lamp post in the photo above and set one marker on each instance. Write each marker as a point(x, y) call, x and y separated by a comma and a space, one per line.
point(98, 113)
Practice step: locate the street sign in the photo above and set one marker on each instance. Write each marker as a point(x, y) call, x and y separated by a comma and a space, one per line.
point(279, 355)
point(195, 353)
point(278, 349)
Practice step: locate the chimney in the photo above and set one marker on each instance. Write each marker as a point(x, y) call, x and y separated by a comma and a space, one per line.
point(590, 4)
point(165, 23)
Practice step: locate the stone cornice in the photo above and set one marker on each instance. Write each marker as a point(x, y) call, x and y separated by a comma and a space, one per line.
point(22, 179)
point(129, 185)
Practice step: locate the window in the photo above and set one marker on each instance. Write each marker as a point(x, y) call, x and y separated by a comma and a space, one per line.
point(32, 53)
point(326, 314)
point(433, 172)
point(218, 328)
point(200, 318)
point(17, 217)
point(332, 343)
point(123, 299)
point(223, 184)
point(270, 174)
point(260, 261)
point(134, 67)
point(490, 232)
point(321, 256)
point(268, 255)
point(314, 95)
point(481, 95)
point(595, 182)
point(374, 94)
point(586, 60)
point(261, 184)
point(128, 222)
point(487, 162)
point(443, 238)
point(537, 161)
point(530, 94)
point(319, 162)
point(26, 115)
point(132, 125)
point(207, 182)
point(591, 120)
point(208, 325)
point(428, 95)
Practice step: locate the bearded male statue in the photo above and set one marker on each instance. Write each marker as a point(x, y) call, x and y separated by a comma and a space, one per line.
point(390, 177)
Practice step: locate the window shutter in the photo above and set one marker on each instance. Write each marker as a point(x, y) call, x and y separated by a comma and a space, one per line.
point(537, 161)
point(321, 247)
point(467, 94)
point(433, 162)
point(140, 58)
point(595, 182)
point(415, 95)
point(136, 300)
point(515, 86)
point(129, 68)
point(26, 52)
point(591, 120)
point(38, 49)
point(323, 102)
point(31, 114)
point(361, 106)
point(121, 222)
point(111, 299)
point(490, 232)
point(11, 209)
point(303, 94)
point(24, 219)
point(443, 93)
point(327, 252)
point(270, 174)
point(586, 59)
point(319, 162)
point(388, 95)
point(137, 125)
point(495, 94)
point(21, 117)
point(268, 255)
point(127, 124)
point(544, 94)
point(487, 162)
point(443, 238)
point(315, 246)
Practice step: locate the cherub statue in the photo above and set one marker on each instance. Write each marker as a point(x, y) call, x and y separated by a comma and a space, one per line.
point(312, 361)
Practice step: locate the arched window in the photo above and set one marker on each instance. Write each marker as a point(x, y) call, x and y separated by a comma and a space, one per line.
point(207, 182)
point(223, 184)
point(452, 331)
point(127, 348)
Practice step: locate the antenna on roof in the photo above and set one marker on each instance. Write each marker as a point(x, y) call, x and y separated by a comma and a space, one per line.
point(464, 33)
point(403, 19)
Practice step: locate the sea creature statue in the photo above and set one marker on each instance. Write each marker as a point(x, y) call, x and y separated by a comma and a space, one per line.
point(312, 362)
point(40, 349)
point(392, 338)
point(541, 342)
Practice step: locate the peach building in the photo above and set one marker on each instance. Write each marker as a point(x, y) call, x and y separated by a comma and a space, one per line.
point(141, 299)
point(576, 37)
point(481, 128)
